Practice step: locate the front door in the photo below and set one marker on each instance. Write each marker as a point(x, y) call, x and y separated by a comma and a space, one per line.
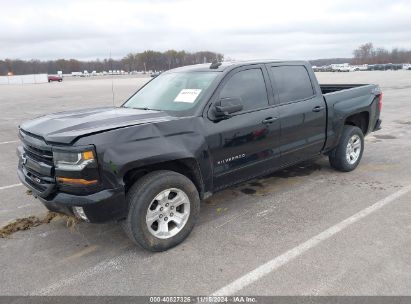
point(245, 144)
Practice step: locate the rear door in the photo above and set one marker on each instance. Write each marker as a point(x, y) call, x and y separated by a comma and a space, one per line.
point(302, 112)
point(245, 144)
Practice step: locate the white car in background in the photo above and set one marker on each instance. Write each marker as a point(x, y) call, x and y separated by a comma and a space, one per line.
point(362, 67)
point(345, 67)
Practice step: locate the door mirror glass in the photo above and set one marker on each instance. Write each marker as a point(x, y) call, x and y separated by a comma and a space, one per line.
point(226, 106)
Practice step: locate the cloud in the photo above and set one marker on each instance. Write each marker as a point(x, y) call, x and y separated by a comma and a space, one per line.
point(239, 29)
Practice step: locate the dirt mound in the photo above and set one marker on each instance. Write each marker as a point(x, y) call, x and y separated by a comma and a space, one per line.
point(33, 221)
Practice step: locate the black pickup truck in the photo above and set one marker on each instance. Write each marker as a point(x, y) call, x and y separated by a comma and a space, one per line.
point(186, 134)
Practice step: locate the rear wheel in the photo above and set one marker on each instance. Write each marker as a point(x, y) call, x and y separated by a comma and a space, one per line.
point(347, 155)
point(163, 209)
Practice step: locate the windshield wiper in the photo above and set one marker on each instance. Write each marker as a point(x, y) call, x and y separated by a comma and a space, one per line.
point(143, 108)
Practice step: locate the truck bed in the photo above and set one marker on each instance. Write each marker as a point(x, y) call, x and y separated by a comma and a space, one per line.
point(343, 100)
point(330, 88)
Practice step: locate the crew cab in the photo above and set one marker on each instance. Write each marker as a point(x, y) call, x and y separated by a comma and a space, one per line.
point(187, 134)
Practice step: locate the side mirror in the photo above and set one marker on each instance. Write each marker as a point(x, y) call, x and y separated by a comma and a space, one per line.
point(226, 106)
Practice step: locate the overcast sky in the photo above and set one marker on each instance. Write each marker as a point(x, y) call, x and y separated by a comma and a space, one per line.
point(250, 29)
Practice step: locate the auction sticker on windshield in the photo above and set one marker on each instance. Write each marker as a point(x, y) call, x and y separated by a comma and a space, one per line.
point(187, 95)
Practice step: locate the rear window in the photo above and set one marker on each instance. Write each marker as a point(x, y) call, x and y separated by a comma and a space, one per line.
point(292, 82)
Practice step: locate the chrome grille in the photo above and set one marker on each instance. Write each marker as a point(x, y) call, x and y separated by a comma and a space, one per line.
point(37, 163)
point(38, 154)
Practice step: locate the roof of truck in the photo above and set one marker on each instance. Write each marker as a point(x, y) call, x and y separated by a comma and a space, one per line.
point(230, 65)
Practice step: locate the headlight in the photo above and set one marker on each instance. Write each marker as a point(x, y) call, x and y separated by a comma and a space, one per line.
point(73, 161)
point(76, 168)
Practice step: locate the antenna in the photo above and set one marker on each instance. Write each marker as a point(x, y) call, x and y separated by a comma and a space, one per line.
point(112, 78)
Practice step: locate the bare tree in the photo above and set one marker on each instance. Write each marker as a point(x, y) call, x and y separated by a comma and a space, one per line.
point(147, 60)
point(366, 54)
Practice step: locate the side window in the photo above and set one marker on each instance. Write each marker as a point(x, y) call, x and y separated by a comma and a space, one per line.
point(249, 87)
point(292, 82)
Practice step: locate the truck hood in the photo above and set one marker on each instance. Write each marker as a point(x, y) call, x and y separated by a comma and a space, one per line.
point(65, 127)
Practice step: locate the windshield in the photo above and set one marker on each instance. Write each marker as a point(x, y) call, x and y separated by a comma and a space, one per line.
point(172, 91)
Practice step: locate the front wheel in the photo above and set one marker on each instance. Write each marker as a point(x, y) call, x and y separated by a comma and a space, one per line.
point(163, 209)
point(347, 155)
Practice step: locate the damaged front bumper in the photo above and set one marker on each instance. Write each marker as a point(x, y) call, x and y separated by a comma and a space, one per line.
point(98, 207)
point(102, 206)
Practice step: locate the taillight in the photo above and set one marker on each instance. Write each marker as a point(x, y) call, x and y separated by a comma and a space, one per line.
point(380, 102)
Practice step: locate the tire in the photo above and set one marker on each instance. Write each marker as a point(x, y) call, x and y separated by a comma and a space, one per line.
point(346, 157)
point(145, 193)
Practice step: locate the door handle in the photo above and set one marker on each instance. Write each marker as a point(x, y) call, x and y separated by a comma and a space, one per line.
point(269, 120)
point(318, 109)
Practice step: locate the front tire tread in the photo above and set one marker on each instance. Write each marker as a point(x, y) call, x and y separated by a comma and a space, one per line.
point(140, 196)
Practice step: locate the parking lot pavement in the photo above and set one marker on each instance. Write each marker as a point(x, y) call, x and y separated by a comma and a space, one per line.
point(371, 257)
point(21, 102)
point(240, 229)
